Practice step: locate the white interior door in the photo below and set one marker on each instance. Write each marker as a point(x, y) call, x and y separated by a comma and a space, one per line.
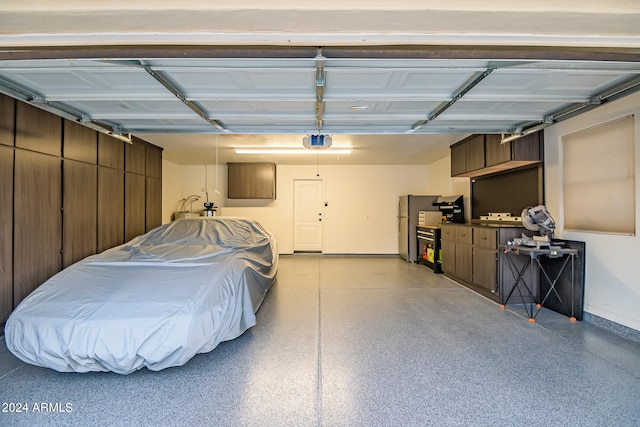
point(307, 215)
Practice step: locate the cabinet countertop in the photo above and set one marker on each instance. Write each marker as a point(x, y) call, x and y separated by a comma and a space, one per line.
point(489, 225)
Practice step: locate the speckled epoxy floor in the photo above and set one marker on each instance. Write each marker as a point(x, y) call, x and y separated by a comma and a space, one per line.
point(360, 341)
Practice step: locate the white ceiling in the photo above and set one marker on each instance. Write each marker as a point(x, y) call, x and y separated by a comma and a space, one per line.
point(252, 83)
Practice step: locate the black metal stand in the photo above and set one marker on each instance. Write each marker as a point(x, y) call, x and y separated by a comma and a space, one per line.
point(534, 256)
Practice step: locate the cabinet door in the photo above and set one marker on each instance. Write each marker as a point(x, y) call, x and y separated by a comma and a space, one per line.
point(110, 208)
point(6, 232)
point(447, 232)
point(457, 160)
point(464, 261)
point(464, 235)
point(38, 130)
point(485, 237)
point(449, 257)
point(527, 147)
point(7, 119)
point(134, 206)
point(153, 162)
point(135, 157)
point(110, 152)
point(80, 214)
point(251, 180)
point(80, 143)
point(485, 268)
point(153, 203)
point(37, 224)
point(495, 152)
point(474, 153)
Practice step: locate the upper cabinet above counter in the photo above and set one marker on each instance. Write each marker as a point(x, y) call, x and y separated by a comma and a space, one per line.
point(479, 155)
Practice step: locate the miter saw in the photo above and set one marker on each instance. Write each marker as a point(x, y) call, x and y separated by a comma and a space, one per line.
point(537, 218)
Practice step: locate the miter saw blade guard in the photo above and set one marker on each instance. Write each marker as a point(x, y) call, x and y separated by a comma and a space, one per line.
point(538, 218)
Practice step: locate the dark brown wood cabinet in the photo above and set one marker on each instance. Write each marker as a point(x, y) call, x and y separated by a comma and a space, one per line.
point(57, 205)
point(135, 157)
point(110, 152)
point(80, 215)
point(457, 251)
point(458, 160)
point(464, 252)
point(6, 231)
point(37, 222)
point(80, 143)
point(519, 152)
point(251, 180)
point(134, 203)
point(496, 152)
point(470, 256)
point(474, 153)
point(480, 155)
point(153, 202)
point(485, 258)
point(110, 208)
point(38, 130)
point(153, 162)
point(7, 120)
point(467, 155)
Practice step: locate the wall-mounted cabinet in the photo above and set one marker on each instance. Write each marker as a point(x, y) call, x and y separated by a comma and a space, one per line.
point(251, 180)
point(480, 155)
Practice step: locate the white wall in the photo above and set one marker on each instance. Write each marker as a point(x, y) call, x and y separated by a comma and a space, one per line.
point(612, 288)
point(439, 181)
point(171, 188)
point(362, 202)
point(362, 209)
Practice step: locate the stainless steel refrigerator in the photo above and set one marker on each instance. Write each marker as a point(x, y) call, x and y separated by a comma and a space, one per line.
point(408, 208)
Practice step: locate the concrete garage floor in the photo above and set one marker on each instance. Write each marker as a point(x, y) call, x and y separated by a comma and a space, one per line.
point(360, 341)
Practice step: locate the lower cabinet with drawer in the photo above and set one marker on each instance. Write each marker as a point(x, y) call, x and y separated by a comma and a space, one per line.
point(470, 255)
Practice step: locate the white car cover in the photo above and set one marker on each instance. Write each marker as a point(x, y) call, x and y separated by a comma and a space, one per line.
point(154, 302)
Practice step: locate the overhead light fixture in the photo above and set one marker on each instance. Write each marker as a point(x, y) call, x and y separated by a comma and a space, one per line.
point(295, 151)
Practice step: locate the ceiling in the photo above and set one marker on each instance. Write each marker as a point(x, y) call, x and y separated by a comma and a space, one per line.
point(384, 88)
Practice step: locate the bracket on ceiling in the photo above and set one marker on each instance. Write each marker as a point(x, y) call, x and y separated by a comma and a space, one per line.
point(630, 86)
point(320, 86)
point(37, 100)
point(462, 91)
point(176, 92)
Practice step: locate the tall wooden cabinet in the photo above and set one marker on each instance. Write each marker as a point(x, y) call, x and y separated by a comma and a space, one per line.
point(37, 223)
point(153, 167)
point(80, 217)
point(6, 231)
point(80, 180)
point(64, 191)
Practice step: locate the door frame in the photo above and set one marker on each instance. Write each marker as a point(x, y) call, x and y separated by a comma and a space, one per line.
point(322, 211)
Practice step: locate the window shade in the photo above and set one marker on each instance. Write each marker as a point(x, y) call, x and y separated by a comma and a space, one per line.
point(599, 178)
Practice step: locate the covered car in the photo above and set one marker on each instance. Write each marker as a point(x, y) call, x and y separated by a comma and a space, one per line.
point(154, 302)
